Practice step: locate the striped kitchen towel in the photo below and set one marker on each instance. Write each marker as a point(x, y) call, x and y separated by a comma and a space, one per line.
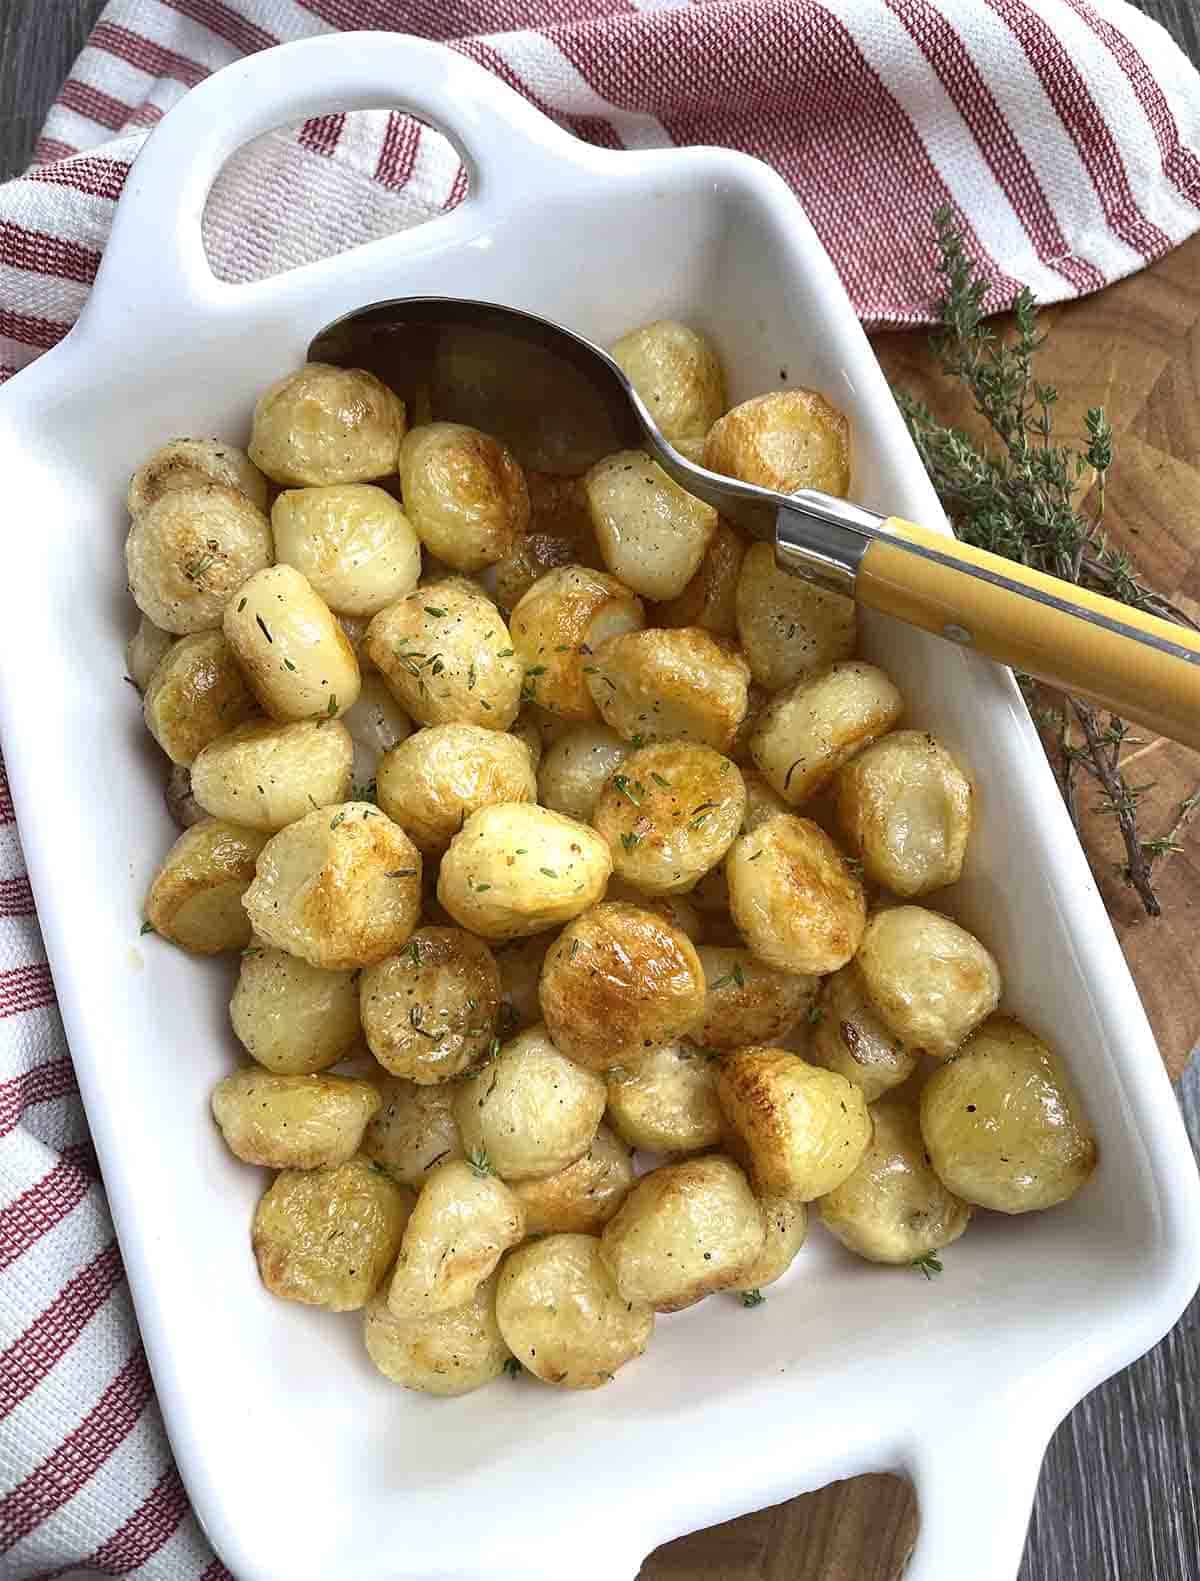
point(1066, 135)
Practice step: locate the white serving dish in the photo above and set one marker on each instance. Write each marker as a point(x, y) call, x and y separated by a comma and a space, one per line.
point(302, 1463)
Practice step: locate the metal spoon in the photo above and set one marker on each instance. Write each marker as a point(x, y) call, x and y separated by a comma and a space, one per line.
point(561, 403)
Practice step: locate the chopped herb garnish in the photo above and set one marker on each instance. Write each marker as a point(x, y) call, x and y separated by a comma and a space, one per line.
point(756, 855)
point(536, 669)
point(288, 665)
point(659, 780)
point(436, 613)
point(637, 741)
point(734, 975)
point(505, 653)
point(480, 1163)
point(263, 626)
point(549, 872)
point(815, 1015)
point(787, 778)
point(929, 1264)
point(627, 789)
point(753, 1298)
point(574, 948)
point(147, 927)
point(332, 709)
point(631, 841)
point(241, 605)
point(471, 679)
point(513, 1367)
point(414, 949)
point(402, 872)
point(337, 818)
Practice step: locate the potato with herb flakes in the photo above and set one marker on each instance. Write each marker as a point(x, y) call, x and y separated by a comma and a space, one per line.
point(189, 553)
point(291, 1017)
point(429, 1011)
point(748, 1001)
point(447, 656)
point(667, 1102)
point(574, 770)
point(352, 542)
point(194, 463)
point(793, 897)
point(684, 1231)
point(849, 1038)
point(530, 1110)
point(294, 654)
point(520, 963)
point(785, 440)
point(677, 373)
point(670, 685)
point(931, 981)
point(465, 1219)
point(436, 779)
point(580, 1199)
point(802, 1130)
point(652, 533)
point(517, 868)
point(556, 628)
point(1003, 1124)
point(264, 775)
point(449, 1354)
point(414, 1130)
point(562, 1316)
point(322, 425)
point(465, 494)
point(678, 910)
point(195, 899)
point(710, 599)
point(327, 1237)
point(670, 815)
point(788, 627)
point(787, 1228)
point(292, 1122)
point(340, 887)
point(145, 650)
point(807, 732)
point(195, 694)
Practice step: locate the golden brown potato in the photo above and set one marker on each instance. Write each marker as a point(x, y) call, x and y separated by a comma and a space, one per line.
point(327, 425)
point(517, 868)
point(684, 1231)
point(788, 627)
point(352, 542)
point(530, 1111)
point(520, 963)
point(747, 1001)
point(803, 1129)
point(670, 815)
point(292, 1122)
point(678, 910)
point(294, 655)
point(193, 463)
point(464, 493)
point(761, 801)
point(652, 534)
point(429, 1011)
point(562, 1316)
point(793, 897)
point(893, 1208)
point(560, 533)
point(580, 1199)
point(290, 1016)
point(449, 1354)
point(904, 806)
point(414, 1130)
point(265, 776)
point(328, 1236)
point(1003, 1124)
point(848, 1037)
point(465, 1219)
point(931, 981)
point(667, 1102)
point(556, 628)
point(617, 982)
point(668, 685)
point(710, 598)
point(786, 440)
point(144, 652)
point(195, 899)
point(807, 732)
point(189, 552)
point(436, 779)
point(195, 695)
point(787, 1227)
point(341, 887)
point(574, 770)
point(678, 375)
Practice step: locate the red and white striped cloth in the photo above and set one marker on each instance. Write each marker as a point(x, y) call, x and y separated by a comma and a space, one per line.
point(1066, 133)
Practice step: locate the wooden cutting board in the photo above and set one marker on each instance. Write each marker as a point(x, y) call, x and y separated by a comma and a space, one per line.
point(1135, 349)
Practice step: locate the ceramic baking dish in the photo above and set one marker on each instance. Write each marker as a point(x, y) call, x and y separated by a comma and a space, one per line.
point(302, 1463)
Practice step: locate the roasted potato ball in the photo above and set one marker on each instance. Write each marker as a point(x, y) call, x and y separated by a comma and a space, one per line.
point(667, 1102)
point(376, 724)
point(670, 815)
point(341, 887)
point(619, 980)
point(580, 1199)
point(678, 910)
point(447, 656)
point(786, 440)
point(562, 1316)
point(517, 868)
point(292, 651)
point(560, 533)
point(761, 801)
point(144, 651)
point(931, 981)
point(904, 806)
point(667, 685)
point(189, 553)
point(265, 776)
point(678, 375)
point(292, 1017)
point(893, 1208)
point(574, 770)
point(465, 494)
point(465, 1219)
point(430, 1010)
point(431, 783)
point(793, 897)
point(748, 1001)
point(848, 1037)
point(710, 599)
point(414, 1130)
point(352, 542)
point(684, 1231)
point(556, 628)
point(530, 1111)
point(807, 732)
point(292, 1122)
point(787, 1227)
point(192, 464)
point(448, 1354)
point(788, 627)
point(802, 1129)
point(196, 897)
point(520, 963)
point(328, 1236)
point(652, 533)
point(1003, 1124)
point(324, 425)
point(195, 695)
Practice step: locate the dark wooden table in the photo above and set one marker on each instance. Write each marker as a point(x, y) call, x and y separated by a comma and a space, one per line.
point(1120, 1492)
